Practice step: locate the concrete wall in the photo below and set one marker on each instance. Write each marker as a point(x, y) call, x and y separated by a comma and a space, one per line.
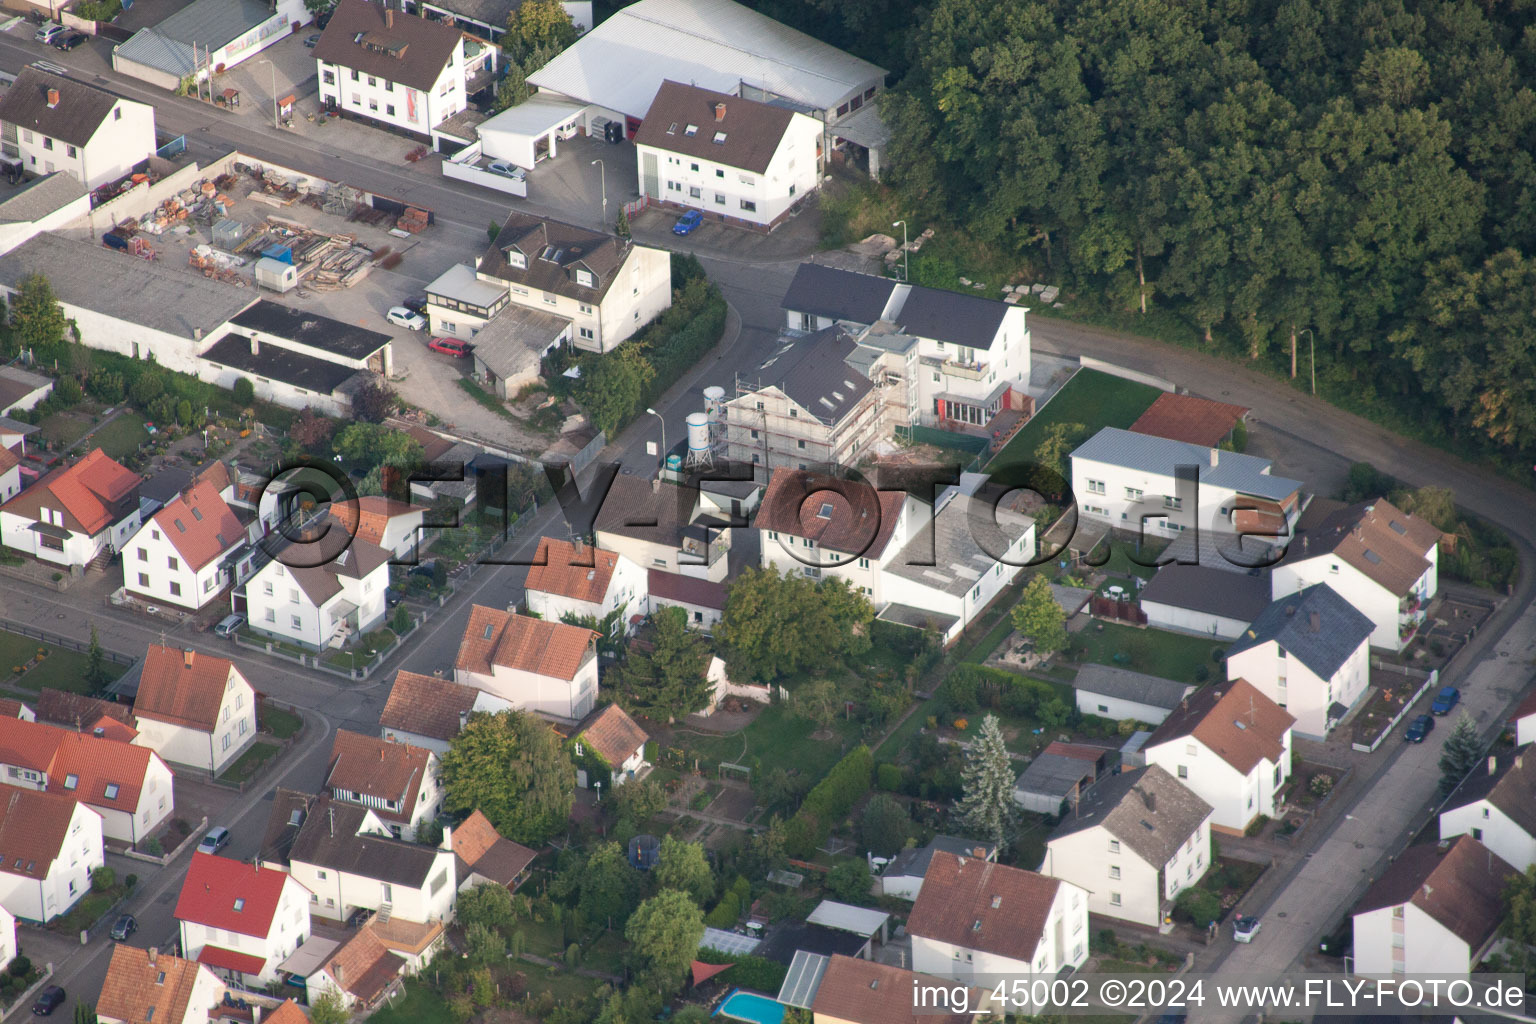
point(461, 167)
point(1118, 709)
point(141, 199)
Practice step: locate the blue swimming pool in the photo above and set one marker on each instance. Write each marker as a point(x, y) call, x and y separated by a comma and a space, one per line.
point(752, 1008)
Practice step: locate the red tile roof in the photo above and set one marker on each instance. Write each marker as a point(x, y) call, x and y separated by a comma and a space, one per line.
point(427, 705)
point(977, 904)
point(369, 517)
point(843, 515)
point(182, 687)
point(1235, 720)
point(288, 1013)
point(200, 524)
point(675, 588)
point(230, 894)
point(612, 734)
point(95, 762)
point(364, 966)
point(33, 827)
point(493, 637)
point(486, 852)
point(1189, 419)
point(12, 708)
point(374, 767)
point(865, 992)
point(579, 573)
point(230, 960)
point(139, 979)
point(85, 492)
point(1461, 888)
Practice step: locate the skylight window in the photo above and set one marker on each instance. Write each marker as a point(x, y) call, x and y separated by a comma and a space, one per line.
point(160, 978)
point(149, 1014)
point(71, 780)
point(112, 790)
point(825, 512)
point(488, 629)
point(719, 138)
point(672, 130)
point(197, 514)
point(691, 131)
point(239, 904)
point(182, 527)
point(1372, 557)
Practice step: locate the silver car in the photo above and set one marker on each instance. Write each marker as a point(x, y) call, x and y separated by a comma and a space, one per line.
point(48, 33)
point(507, 170)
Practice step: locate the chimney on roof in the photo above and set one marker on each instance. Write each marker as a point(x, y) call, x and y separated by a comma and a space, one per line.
point(1493, 764)
point(1314, 622)
point(389, 17)
point(336, 971)
point(1215, 455)
point(152, 954)
point(188, 655)
point(1290, 610)
point(1519, 762)
point(53, 98)
point(719, 111)
point(1306, 542)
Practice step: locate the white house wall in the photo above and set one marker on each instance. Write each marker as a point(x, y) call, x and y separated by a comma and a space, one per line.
point(1186, 620)
point(1118, 709)
point(530, 691)
point(334, 894)
point(1370, 598)
point(1494, 829)
point(148, 560)
point(69, 878)
point(211, 752)
point(1237, 798)
point(289, 928)
point(125, 137)
point(1428, 947)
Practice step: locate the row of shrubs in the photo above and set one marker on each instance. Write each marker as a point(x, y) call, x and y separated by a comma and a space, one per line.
point(975, 687)
point(829, 802)
point(735, 901)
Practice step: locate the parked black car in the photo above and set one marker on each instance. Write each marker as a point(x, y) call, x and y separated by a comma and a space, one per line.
point(51, 999)
point(70, 40)
point(123, 927)
point(417, 305)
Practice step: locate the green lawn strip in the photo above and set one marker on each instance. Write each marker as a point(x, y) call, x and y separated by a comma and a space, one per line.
point(250, 762)
point(1153, 651)
point(64, 670)
point(84, 913)
point(65, 428)
point(16, 650)
point(1122, 564)
point(420, 1005)
point(280, 723)
point(775, 737)
point(1092, 398)
point(487, 399)
point(121, 437)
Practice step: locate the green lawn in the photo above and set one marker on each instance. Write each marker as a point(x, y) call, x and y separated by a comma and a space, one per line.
point(1153, 651)
point(250, 762)
point(16, 650)
point(1094, 399)
point(280, 723)
point(64, 670)
point(775, 737)
point(420, 1005)
point(122, 436)
point(1121, 563)
point(65, 428)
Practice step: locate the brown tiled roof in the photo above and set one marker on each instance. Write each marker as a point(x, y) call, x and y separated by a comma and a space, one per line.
point(352, 559)
point(1076, 751)
point(612, 734)
point(484, 851)
point(1148, 810)
point(87, 493)
point(1508, 783)
point(409, 938)
point(133, 985)
point(288, 1013)
point(680, 589)
point(76, 710)
point(200, 524)
point(860, 520)
point(553, 251)
point(369, 766)
point(1187, 418)
point(182, 687)
point(865, 992)
point(1235, 720)
point(427, 706)
point(13, 708)
point(495, 637)
point(751, 131)
point(433, 447)
point(406, 49)
point(579, 573)
point(370, 516)
point(1462, 888)
point(33, 827)
point(977, 904)
point(1382, 542)
point(364, 966)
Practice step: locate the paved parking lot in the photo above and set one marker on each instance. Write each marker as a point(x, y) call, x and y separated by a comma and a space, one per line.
point(290, 62)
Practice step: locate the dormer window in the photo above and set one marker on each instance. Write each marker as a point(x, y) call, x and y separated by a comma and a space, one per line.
point(692, 130)
point(585, 278)
point(516, 259)
point(719, 138)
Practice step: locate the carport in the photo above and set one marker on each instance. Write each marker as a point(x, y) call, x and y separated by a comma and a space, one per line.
point(529, 132)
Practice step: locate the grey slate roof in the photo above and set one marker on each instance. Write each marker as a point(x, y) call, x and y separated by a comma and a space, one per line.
point(1341, 629)
point(1148, 810)
point(514, 340)
point(281, 364)
point(146, 293)
point(839, 294)
point(326, 836)
point(950, 316)
point(208, 23)
point(1200, 588)
point(914, 862)
point(1246, 474)
point(41, 197)
point(813, 372)
point(74, 119)
point(1124, 684)
point(312, 330)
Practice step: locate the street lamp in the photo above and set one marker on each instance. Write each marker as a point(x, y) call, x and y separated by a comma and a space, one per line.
point(269, 64)
point(903, 225)
point(1312, 353)
point(662, 460)
point(603, 170)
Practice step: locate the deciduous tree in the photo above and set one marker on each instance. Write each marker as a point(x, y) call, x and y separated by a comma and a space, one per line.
point(37, 319)
point(608, 886)
point(884, 826)
point(1040, 618)
point(664, 676)
point(513, 768)
point(664, 932)
point(682, 866)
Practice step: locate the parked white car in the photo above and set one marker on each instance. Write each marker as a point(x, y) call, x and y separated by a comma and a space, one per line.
point(402, 317)
point(507, 170)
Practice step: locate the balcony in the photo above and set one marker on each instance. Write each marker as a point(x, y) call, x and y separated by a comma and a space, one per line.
point(964, 371)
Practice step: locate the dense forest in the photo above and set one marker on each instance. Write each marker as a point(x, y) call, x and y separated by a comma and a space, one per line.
point(1257, 167)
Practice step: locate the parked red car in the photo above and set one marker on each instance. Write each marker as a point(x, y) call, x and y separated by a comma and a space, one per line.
point(450, 346)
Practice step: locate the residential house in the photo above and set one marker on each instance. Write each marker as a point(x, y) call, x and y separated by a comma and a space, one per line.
point(615, 70)
point(1496, 805)
point(972, 355)
point(607, 287)
point(1192, 420)
point(1309, 652)
point(81, 713)
point(318, 599)
point(1137, 482)
point(484, 857)
point(817, 525)
point(362, 972)
point(8, 945)
point(399, 70)
point(192, 549)
point(1382, 560)
point(974, 917)
point(146, 986)
point(608, 748)
point(10, 475)
point(903, 876)
point(668, 528)
point(1433, 911)
point(702, 601)
point(50, 844)
point(1055, 778)
point(1119, 694)
point(22, 389)
point(856, 991)
point(582, 581)
point(348, 860)
point(398, 782)
point(1136, 840)
point(10, 707)
point(129, 786)
point(74, 514)
point(546, 667)
point(425, 711)
point(1216, 601)
point(1524, 720)
point(241, 920)
point(62, 124)
point(394, 526)
point(194, 709)
point(1231, 745)
point(737, 160)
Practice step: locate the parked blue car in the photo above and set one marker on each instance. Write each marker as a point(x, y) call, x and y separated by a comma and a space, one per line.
point(1446, 700)
point(1419, 728)
point(687, 222)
